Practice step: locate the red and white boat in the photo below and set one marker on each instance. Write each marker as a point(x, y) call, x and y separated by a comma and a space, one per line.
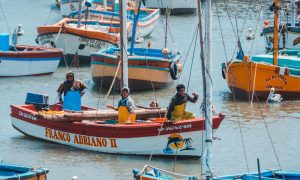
point(183, 138)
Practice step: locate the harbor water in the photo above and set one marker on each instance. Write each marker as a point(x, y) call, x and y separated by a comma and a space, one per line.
point(269, 132)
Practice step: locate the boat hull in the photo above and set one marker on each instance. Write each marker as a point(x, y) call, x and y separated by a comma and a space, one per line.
point(29, 60)
point(70, 44)
point(176, 6)
point(138, 138)
point(144, 72)
point(12, 172)
point(245, 78)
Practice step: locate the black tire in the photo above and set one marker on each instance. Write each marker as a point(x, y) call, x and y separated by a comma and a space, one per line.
point(173, 70)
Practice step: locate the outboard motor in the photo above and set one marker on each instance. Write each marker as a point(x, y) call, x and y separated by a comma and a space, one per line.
point(39, 101)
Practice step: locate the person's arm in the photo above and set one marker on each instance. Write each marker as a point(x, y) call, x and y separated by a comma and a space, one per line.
point(111, 107)
point(82, 88)
point(130, 106)
point(60, 92)
point(192, 99)
point(171, 107)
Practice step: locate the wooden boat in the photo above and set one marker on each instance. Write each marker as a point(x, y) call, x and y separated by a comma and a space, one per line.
point(23, 60)
point(147, 68)
point(251, 79)
point(148, 18)
point(176, 6)
point(90, 37)
point(153, 173)
point(264, 175)
point(89, 130)
point(12, 172)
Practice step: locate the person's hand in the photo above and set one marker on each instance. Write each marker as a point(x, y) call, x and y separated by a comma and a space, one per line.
point(194, 94)
point(109, 106)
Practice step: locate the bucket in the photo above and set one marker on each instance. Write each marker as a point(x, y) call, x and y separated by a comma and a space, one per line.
point(4, 41)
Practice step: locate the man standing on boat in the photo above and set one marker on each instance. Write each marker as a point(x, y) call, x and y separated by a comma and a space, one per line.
point(176, 109)
point(125, 107)
point(70, 85)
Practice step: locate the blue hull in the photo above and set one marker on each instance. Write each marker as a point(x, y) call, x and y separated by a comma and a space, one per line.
point(12, 172)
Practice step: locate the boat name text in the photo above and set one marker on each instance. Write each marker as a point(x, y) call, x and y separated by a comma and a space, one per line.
point(93, 43)
point(80, 139)
point(171, 128)
point(27, 116)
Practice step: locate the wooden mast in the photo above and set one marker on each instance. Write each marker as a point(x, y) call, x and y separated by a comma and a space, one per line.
point(123, 43)
point(275, 39)
point(206, 61)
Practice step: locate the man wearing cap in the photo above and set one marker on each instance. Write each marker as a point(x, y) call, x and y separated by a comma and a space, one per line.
point(176, 109)
point(125, 107)
point(70, 85)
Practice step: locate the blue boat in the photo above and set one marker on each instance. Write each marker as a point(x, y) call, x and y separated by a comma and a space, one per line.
point(264, 175)
point(12, 172)
point(151, 173)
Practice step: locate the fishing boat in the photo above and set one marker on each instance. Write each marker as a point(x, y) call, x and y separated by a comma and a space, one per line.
point(149, 172)
point(24, 60)
point(79, 38)
point(175, 6)
point(289, 29)
point(13, 172)
point(148, 18)
point(254, 79)
point(92, 129)
point(147, 67)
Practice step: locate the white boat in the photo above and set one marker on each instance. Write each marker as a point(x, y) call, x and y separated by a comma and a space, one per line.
point(90, 128)
point(176, 6)
point(91, 36)
point(25, 60)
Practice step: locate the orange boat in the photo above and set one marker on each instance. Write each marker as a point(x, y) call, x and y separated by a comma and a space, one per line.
point(250, 79)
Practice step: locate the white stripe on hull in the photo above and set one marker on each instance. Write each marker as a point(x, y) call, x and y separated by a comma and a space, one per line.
point(172, 4)
point(140, 146)
point(24, 68)
point(289, 39)
point(70, 43)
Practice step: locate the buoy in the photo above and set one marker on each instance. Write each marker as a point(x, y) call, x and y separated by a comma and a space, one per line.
point(74, 178)
point(266, 23)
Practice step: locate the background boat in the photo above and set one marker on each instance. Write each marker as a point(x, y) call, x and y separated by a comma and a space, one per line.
point(24, 60)
point(79, 42)
point(147, 20)
point(11, 172)
point(175, 6)
point(147, 68)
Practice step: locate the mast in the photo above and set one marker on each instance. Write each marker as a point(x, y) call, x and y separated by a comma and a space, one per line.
point(136, 19)
point(123, 43)
point(79, 13)
point(275, 39)
point(208, 88)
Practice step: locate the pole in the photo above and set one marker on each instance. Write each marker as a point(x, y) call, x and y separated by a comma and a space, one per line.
point(208, 102)
point(123, 43)
point(275, 44)
point(166, 34)
point(136, 19)
point(79, 13)
point(293, 13)
point(104, 5)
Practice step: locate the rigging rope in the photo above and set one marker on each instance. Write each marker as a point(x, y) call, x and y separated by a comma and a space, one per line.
point(5, 19)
